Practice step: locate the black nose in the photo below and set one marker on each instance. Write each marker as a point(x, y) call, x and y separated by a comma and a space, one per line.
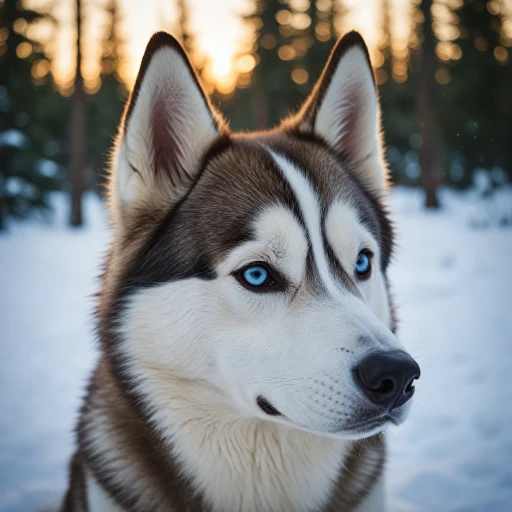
point(387, 379)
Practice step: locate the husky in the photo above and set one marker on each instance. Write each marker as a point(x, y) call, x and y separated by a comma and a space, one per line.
point(248, 356)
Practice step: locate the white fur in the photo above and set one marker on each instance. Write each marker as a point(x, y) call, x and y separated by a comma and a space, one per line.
point(280, 241)
point(101, 439)
point(168, 83)
point(349, 119)
point(240, 464)
point(310, 210)
point(201, 352)
point(348, 237)
point(254, 465)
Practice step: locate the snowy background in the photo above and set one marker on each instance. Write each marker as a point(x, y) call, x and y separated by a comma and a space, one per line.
point(452, 279)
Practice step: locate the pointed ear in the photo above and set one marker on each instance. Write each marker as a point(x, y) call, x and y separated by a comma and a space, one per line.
point(168, 126)
point(343, 110)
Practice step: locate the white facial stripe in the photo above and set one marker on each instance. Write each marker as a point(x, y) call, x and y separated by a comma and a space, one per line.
point(310, 209)
point(279, 240)
point(347, 235)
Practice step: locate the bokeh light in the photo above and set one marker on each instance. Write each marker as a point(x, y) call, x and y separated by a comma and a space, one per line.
point(300, 75)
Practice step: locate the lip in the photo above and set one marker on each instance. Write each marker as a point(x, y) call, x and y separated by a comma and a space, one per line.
point(354, 429)
point(369, 424)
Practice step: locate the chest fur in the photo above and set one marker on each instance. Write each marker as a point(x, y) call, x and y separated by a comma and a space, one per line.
point(215, 462)
point(257, 466)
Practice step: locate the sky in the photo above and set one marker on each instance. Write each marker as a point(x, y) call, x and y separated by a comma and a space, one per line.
point(220, 32)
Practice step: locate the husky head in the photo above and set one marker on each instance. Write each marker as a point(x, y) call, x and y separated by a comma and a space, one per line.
point(253, 267)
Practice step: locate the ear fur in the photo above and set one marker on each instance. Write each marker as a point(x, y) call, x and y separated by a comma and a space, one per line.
point(343, 110)
point(168, 126)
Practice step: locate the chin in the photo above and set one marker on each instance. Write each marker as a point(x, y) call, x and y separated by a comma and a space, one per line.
point(351, 431)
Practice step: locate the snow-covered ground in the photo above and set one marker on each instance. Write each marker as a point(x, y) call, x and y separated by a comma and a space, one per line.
point(453, 286)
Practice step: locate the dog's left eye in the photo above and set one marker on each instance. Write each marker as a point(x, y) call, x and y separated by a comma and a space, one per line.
point(257, 277)
point(363, 265)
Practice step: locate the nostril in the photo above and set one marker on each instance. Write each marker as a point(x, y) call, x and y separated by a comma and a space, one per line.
point(385, 387)
point(375, 383)
point(387, 379)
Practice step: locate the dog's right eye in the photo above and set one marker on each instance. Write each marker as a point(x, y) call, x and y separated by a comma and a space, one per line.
point(258, 277)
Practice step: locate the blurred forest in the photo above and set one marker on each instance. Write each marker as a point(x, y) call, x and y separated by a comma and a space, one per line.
point(446, 96)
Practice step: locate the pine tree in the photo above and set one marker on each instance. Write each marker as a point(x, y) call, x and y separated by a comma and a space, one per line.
point(180, 28)
point(321, 34)
point(106, 106)
point(396, 120)
point(26, 93)
point(78, 130)
point(386, 45)
point(478, 90)
point(398, 78)
point(291, 48)
point(504, 91)
point(272, 87)
point(429, 150)
point(182, 31)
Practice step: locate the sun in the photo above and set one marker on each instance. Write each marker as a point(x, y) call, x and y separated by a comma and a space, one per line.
point(220, 39)
point(219, 72)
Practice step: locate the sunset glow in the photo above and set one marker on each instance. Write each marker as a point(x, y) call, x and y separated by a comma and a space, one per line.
point(220, 34)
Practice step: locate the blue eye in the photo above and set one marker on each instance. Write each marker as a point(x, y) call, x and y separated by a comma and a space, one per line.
point(255, 275)
point(259, 277)
point(363, 264)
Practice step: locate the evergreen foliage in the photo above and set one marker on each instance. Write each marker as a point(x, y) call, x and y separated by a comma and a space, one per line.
point(33, 116)
point(476, 104)
point(106, 105)
point(398, 103)
point(471, 93)
point(182, 31)
point(292, 42)
point(271, 81)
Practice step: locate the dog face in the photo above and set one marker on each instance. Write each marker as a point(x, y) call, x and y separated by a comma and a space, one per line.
point(255, 266)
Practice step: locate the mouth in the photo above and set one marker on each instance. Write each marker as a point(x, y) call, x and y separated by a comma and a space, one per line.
point(361, 428)
point(267, 407)
point(368, 426)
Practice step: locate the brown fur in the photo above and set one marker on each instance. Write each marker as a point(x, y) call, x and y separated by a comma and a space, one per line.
point(157, 244)
point(167, 489)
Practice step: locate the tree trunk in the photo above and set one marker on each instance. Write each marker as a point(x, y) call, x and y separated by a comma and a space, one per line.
point(259, 106)
point(77, 161)
point(428, 153)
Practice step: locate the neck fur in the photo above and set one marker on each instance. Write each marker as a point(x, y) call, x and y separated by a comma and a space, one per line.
point(243, 463)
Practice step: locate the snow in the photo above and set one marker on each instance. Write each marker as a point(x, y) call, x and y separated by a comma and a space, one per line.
point(454, 294)
point(49, 168)
point(14, 138)
point(452, 282)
